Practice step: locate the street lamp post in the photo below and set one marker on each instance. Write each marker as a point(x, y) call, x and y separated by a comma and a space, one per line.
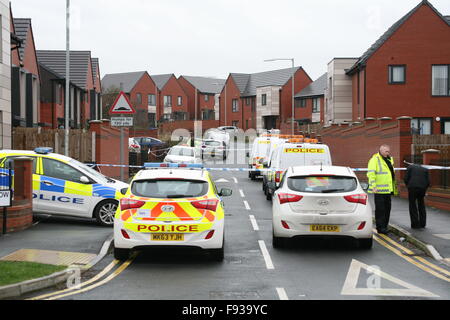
point(67, 115)
point(293, 87)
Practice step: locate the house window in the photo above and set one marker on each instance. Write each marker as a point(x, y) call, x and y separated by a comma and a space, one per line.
point(235, 124)
point(206, 98)
point(264, 100)
point(167, 101)
point(316, 105)
point(248, 101)
point(397, 74)
point(151, 100)
point(138, 99)
point(300, 103)
point(180, 101)
point(235, 106)
point(440, 79)
point(421, 126)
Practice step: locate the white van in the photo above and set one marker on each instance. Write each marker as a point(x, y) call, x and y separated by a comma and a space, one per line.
point(260, 150)
point(294, 154)
point(220, 136)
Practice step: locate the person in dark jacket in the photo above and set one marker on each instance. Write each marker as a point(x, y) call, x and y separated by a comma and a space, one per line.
point(417, 180)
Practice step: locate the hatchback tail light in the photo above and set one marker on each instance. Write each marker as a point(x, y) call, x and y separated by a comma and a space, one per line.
point(210, 204)
point(357, 198)
point(289, 198)
point(127, 204)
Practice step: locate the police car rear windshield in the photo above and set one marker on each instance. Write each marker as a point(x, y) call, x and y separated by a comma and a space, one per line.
point(170, 188)
point(184, 152)
point(322, 184)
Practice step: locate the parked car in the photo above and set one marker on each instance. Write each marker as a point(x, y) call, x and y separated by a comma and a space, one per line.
point(133, 145)
point(229, 129)
point(148, 142)
point(321, 201)
point(183, 154)
point(214, 149)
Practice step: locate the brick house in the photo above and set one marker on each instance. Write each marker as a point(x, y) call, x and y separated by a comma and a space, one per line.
point(260, 100)
point(25, 77)
point(203, 96)
point(172, 99)
point(310, 102)
point(407, 72)
point(143, 94)
point(84, 99)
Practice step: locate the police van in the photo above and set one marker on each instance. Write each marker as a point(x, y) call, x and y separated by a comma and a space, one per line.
point(258, 154)
point(64, 186)
point(294, 153)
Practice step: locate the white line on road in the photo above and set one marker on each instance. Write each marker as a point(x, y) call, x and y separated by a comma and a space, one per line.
point(242, 193)
point(266, 255)
point(254, 223)
point(247, 206)
point(235, 180)
point(282, 294)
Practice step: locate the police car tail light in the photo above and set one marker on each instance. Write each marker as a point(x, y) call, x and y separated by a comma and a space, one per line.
point(210, 205)
point(278, 176)
point(125, 234)
point(210, 235)
point(357, 198)
point(126, 204)
point(289, 198)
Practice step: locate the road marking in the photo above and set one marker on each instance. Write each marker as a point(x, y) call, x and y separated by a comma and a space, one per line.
point(282, 294)
point(242, 193)
point(235, 180)
point(443, 236)
point(100, 283)
point(410, 260)
point(265, 253)
point(247, 206)
point(97, 277)
point(254, 223)
point(350, 286)
point(222, 181)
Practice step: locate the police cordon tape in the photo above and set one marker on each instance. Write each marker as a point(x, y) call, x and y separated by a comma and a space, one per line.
point(242, 169)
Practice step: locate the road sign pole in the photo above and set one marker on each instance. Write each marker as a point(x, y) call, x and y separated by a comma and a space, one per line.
point(122, 155)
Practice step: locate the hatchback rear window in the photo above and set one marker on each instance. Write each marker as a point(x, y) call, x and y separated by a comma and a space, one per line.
point(170, 189)
point(181, 152)
point(322, 184)
point(213, 143)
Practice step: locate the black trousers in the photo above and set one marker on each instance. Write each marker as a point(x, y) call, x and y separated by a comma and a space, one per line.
point(383, 205)
point(417, 209)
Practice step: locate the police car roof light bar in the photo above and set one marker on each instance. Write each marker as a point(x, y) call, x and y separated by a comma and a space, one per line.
point(172, 166)
point(43, 150)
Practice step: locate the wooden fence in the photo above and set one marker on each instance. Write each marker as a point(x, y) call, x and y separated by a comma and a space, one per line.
point(439, 142)
point(80, 141)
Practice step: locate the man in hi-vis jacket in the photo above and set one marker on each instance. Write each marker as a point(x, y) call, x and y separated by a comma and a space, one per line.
point(382, 184)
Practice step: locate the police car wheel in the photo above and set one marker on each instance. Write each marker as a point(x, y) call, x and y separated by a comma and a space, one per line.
point(268, 195)
point(217, 254)
point(105, 211)
point(121, 254)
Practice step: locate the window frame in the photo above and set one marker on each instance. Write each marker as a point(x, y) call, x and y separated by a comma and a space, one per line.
point(391, 73)
point(235, 105)
point(448, 80)
point(264, 99)
point(315, 108)
point(419, 122)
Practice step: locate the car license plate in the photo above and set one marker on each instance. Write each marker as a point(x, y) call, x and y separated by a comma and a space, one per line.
point(325, 228)
point(167, 237)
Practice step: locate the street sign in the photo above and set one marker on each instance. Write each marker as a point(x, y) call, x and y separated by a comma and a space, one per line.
point(5, 198)
point(122, 122)
point(122, 105)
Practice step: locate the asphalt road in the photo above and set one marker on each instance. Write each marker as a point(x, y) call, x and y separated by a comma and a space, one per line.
point(254, 270)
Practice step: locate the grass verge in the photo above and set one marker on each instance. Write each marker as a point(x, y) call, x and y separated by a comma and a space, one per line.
point(16, 272)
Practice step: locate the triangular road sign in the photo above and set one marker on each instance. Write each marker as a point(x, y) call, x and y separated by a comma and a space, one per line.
point(350, 286)
point(122, 105)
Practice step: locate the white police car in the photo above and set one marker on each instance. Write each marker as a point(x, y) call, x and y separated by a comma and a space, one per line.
point(64, 186)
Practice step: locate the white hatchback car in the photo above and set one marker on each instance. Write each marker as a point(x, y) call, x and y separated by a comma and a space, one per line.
point(183, 154)
point(321, 201)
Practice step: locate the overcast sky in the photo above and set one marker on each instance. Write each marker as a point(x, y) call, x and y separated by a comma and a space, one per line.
point(215, 37)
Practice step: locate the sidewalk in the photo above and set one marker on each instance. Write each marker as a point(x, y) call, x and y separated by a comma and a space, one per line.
point(437, 232)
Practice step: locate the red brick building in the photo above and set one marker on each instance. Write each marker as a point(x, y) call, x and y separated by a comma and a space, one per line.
point(310, 102)
point(172, 99)
point(261, 100)
point(25, 76)
point(202, 96)
point(85, 99)
point(407, 73)
point(143, 94)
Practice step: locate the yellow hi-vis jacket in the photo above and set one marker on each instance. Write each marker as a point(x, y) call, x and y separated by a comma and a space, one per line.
point(380, 176)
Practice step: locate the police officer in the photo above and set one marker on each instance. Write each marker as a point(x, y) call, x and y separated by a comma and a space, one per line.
point(382, 184)
point(417, 180)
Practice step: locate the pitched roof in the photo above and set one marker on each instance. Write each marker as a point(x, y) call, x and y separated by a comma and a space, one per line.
point(248, 83)
point(206, 85)
point(123, 81)
point(161, 80)
point(362, 61)
point(317, 88)
point(447, 18)
point(79, 64)
point(22, 26)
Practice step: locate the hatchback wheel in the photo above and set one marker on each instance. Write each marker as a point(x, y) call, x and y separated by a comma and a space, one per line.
point(105, 212)
point(279, 243)
point(365, 244)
